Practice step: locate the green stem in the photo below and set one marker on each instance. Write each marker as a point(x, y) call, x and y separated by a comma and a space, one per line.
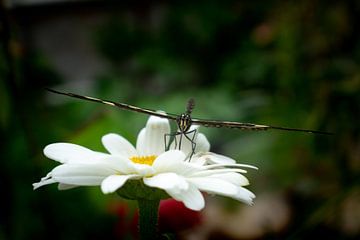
point(148, 218)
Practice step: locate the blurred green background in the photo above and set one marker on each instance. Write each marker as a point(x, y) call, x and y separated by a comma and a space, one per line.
point(282, 63)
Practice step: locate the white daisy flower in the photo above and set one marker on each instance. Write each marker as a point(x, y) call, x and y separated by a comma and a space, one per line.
point(148, 171)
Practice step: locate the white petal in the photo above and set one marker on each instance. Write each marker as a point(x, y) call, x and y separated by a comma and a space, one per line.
point(198, 160)
point(234, 165)
point(71, 153)
point(144, 169)
point(114, 182)
point(44, 181)
point(119, 163)
point(117, 145)
point(168, 181)
point(125, 166)
point(168, 161)
point(244, 195)
point(63, 186)
point(211, 158)
point(192, 198)
point(214, 185)
point(212, 172)
point(81, 174)
point(232, 177)
point(153, 142)
point(140, 142)
point(202, 144)
point(173, 161)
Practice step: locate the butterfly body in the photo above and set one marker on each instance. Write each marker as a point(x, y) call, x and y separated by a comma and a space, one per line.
point(184, 122)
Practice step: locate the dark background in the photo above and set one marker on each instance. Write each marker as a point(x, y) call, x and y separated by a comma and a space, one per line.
point(282, 63)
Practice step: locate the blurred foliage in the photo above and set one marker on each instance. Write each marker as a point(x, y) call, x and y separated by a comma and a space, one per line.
point(283, 63)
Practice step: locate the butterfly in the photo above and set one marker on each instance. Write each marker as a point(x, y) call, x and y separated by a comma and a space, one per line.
point(184, 120)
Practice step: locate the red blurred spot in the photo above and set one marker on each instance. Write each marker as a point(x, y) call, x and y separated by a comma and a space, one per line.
point(175, 217)
point(126, 225)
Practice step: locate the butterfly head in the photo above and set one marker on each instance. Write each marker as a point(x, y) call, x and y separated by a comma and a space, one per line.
point(190, 106)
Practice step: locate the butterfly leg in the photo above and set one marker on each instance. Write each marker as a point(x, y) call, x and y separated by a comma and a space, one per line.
point(171, 136)
point(167, 144)
point(180, 140)
point(192, 141)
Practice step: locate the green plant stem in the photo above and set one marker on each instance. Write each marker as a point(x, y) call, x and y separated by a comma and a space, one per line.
point(148, 218)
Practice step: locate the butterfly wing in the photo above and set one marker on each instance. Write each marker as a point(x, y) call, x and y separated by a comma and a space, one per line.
point(119, 105)
point(249, 126)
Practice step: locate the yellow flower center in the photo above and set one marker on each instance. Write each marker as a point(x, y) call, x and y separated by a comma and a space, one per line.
point(143, 159)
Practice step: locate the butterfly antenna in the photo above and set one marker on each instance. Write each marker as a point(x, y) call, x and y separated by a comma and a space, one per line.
point(190, 106)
